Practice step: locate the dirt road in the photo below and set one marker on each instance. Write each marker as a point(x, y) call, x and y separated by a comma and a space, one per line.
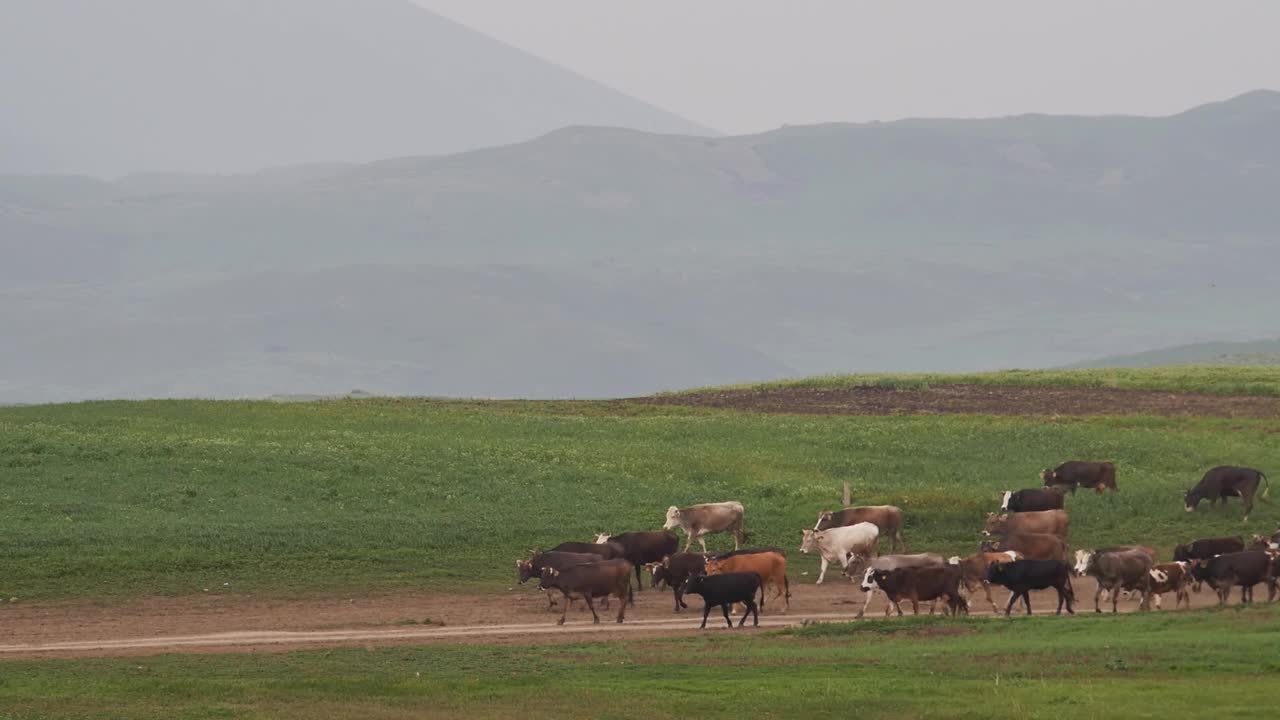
point(518, 616)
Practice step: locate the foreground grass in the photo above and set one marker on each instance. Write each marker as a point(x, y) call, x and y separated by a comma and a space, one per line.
point(123, 499)
point(1213, 664)
point(1215, 380)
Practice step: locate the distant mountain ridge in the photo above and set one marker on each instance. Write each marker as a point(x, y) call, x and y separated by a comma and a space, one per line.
point(599, 261)
point(1247, 352)
point(110, 88)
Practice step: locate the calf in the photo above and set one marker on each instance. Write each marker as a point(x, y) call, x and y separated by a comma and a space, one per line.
point(725, 590)
point(839, 543)
point(1023, 576)
point(1031, 500)
point(532, 568)
point(641, 548)
point(698, 521)
point(1171, 577)
point(771, 567)
point(1121, 569)
point(599, 579)
point(921, 583)
point(1226, 481)
point(1031, 546)
point(862, 571)
point(1245, 569)
point(676, 570)
point(1052, 522)
point(886, 517)
point(1078, 474)
point(973, 570)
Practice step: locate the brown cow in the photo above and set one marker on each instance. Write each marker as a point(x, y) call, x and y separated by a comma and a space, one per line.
point(1053, 522)
point(592, 580)
point(770, 566)
point(706, 519)
point(1077, 474)
point(974, 569)
point(643, 547)
point(1171, 577)
point(1227, 481)
point(532, 568)
point(886, 517)
point(1032, 546)
point(1114, 571)
point(922, 583)
point(675, 571)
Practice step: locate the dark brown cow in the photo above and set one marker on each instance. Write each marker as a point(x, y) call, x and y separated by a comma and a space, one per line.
point(1080, 474)
point(1245, 569)
point(922, 583)
point(886, 517)
point(640, 548)
point(1051, 522)
point(1031, 500)
point(1032, 546)
point(1173, 577)
point(1116, 571)
point(606, 551)
point(1226, 481)
point(974, 570)
point(605, 578)
point(1206, 548)
point(675, 571)
point(532, 568)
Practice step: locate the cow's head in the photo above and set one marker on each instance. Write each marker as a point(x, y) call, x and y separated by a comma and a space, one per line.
point(602, 538)
point(673, 518)
point(659, 573)
point(695, 584)
point(714, 567)
point(524, 570)
point(1048, 475)
point(995, 524)
point(1004, 500)
point(808, 540)
point(824, 520)
point(1084, 559)
point(867, 584)
point(989, 546)
point(1191, 499)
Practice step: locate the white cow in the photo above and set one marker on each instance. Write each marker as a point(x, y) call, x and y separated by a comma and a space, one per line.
point(893, 562)
point(839, 543)
point(706, 519)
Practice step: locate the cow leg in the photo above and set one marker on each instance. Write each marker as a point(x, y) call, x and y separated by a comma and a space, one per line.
point(752, 610)
point(706, 610)
point(915, 605)
point(725, 608)
point(1097, 598)
point(702, 540)
point(823, 573)
point(986, 587)
point(639, 583)
point(595, 618)
point(1061, 600)
point(1026, 599)
point(933, 605)
point(565, 610)
point(1009, 608)
point(1115, 598)
point(1247, 498)
point(867, 604)
point(896, 604)
point(622, 602)
point(676, 593)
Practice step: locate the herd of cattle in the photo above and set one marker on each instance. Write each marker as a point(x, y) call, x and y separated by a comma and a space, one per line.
point(1026, 550)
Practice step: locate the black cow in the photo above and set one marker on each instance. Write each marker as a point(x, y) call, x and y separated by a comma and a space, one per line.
point(1245, 569)
point(1023, 576)
point(640, 548)
point(1206, 548)
point(676, 570)
point(1080, 474)
point(1032, 500)
point(1226, 481)
point(725, 590)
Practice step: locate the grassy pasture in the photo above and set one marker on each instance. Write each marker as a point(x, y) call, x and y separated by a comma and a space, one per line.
point(1208, 663)
point(122, 499)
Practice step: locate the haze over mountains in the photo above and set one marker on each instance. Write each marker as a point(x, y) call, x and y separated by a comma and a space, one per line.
point(599, 262)
point(109, 88)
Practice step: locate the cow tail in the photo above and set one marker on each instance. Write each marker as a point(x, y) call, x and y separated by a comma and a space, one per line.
point(786, 585)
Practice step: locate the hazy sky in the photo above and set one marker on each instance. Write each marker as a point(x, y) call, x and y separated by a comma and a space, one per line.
point(750, 65)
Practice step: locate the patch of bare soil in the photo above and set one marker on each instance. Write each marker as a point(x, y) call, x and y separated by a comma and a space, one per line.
point(978, 399)
point(518, 616)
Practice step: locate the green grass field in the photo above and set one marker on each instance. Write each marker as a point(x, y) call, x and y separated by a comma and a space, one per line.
point(118, 499)
point(1210, 664)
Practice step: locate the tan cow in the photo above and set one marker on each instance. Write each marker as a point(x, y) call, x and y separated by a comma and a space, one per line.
point(707, 519)
point(1032, 546)
point(973, 570)
point(770, 566)
point(886, 517)
point(838, 544)
point(1053, 522)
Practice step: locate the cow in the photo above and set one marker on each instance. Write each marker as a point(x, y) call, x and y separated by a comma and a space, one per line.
point(725, 590)
point(1226, 481)
point(886, 517)
point(1052, 522)
point(1126, 593)
point(592, 580)
point(921, 583)
point(973, 570)
point(1023, 576)
point(861, 572)
point(1121, 569)
point(1078, 474)
point(1031, 500)
point(1032, 546)
point(641, 548)
point(1173, 578)
point(675, 571)
point(770, 566)
point(707, 519)
point(532, 568)
point(1206, 548)
point(606, 550)
point(746, 551)
point(1246, 569)
point(839, 543)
